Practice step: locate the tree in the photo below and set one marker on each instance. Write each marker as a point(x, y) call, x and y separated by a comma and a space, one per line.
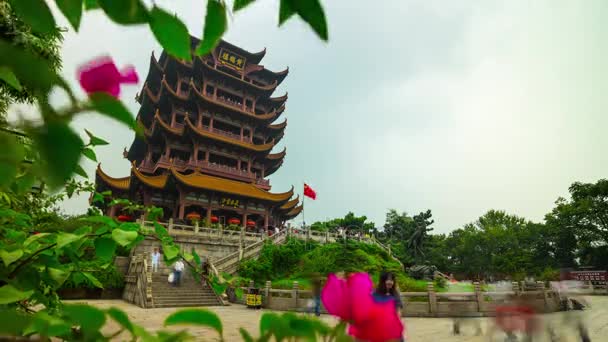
point(350, 221)
point(18, 33)
point(580, 224)
point(417, 241)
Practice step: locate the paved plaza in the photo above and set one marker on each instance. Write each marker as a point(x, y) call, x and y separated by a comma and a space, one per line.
point(419, 329)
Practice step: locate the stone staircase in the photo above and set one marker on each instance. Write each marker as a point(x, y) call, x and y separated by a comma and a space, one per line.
point(189, 293)
point(230, 263)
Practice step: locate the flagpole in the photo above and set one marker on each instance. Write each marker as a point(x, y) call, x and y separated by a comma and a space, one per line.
point(303, 199)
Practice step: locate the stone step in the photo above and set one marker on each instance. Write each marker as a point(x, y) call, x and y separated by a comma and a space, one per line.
point(180, 297)
point(183, 305)
point(185, 300)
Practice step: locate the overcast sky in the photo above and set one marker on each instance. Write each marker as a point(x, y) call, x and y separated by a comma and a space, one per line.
point(455, 106)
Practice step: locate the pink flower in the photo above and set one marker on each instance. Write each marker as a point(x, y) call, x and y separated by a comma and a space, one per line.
point(351, 300)
point(102, 75)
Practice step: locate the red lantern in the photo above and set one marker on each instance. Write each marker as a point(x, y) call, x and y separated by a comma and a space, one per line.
point(124, 218)
point(214, 219)
point(193, 216)
point(250, 223)
point(234, 221)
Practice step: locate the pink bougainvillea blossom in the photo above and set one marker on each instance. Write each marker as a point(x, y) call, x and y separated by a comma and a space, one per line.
point(352, 301)
point(102, 75)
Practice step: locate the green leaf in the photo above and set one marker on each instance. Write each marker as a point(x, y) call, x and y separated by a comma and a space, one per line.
point(123, 237)
point(35, 13)
point(312, 12)
point(48, 325)
point(64, 239)
point(215, 26)
point(60, 148)
point(89, 153)
point(32, 71)
point(95, 141)
point(11, 156)
point(58, 275)
point(9, 294)
point(245, 335)
point(97, 198)
point(10, 257)
point(92, 279)
point(90, 319)
point(7, 76)
point(108, 221)
point(240, 4)
point(125, 12)
point(81, 172)
point(72, 9)
point(13, 322)
point(170, 251)
point(34, 238)
point(267, 322)
point(121, 317)
point(195, 317)
point(24, 183)
point(105, 248)
point(90, 5)
point(171, 33)
point(285, 11)
point(113, 108)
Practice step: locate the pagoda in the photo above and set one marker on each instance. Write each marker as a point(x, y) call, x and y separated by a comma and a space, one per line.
point(208, 133)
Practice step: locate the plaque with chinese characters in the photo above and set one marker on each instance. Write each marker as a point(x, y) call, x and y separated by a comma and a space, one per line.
point(229, 202)
point(232, 60)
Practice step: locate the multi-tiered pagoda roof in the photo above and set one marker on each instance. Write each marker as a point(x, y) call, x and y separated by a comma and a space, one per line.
point(209, 129)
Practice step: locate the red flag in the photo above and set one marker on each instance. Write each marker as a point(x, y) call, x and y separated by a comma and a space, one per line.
point(309, 192)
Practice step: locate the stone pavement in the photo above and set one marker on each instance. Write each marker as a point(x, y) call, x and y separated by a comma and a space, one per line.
point(419, 329)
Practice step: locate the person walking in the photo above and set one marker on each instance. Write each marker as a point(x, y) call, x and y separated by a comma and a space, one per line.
point(316, 295)
point(155, 260)
point(178, 268)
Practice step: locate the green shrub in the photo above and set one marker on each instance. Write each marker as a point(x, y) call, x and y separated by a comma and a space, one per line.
point(549, 274)
point(107, 275)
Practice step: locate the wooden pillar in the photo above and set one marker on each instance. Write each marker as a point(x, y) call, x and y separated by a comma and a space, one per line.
point(238, 164)
point(263, 170)
point(432, 299)
point(211, 123)
point(199, 122)
point(209, 215)
point(182, 207)
point(112, 212)
point(207, 156)
point(244, 219)
point(249, 165)
point(266, 222)
point(194, 157)
point(241, 133)
point(251, 134)
point(173, 118)
point(167, 150)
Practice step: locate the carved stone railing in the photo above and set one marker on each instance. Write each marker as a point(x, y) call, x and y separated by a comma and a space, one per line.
point(429, 303)
point(138, 282)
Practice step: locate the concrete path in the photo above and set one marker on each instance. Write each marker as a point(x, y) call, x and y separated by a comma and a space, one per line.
point(419, 329)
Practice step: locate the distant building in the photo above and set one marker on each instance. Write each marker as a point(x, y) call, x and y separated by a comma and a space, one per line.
point(207, 138)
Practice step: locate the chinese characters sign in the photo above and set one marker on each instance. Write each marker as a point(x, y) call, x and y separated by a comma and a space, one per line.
point(595, 276)
point(232, 60)
point(229, 202)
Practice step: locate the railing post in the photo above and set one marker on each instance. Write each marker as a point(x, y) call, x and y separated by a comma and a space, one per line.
point(327, 236)
point(543, 288)
point(515, 286)
point(294, 295)
point(522, 287)
point(432, 299)
point(142, 221)
point(267, 294)
point(479, 297)
point(170, 228)
point(196, 227)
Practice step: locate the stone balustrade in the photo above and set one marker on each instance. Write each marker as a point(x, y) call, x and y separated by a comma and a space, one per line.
point(431, 303)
